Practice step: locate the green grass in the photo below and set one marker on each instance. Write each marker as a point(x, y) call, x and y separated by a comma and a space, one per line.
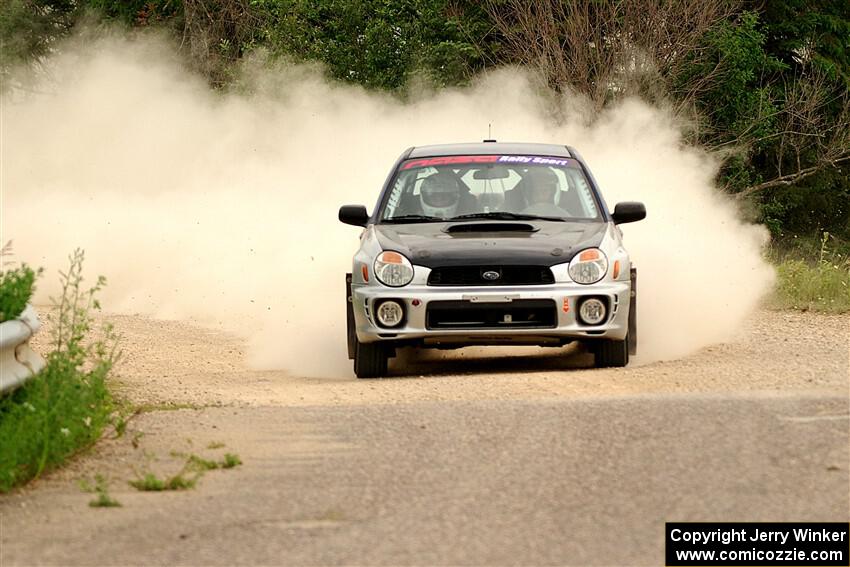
point(813, 279)
point(17, 285)
point(151, 483)
point(49, 419)
point(182, 481)
point(200, 464)
point(230, 461)
point(120, 425)
point(64, 408)
point(103, 500)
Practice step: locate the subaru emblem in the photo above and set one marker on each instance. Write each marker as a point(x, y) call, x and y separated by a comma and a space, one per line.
point(491, 275)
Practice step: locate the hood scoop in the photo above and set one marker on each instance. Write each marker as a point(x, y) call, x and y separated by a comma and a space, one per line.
point(467, 227)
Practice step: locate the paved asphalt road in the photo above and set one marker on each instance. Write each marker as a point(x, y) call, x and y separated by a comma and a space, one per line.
point(579, 482)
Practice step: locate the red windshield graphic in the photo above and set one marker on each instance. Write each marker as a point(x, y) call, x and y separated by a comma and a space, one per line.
point(447, 160)
point(506, 159)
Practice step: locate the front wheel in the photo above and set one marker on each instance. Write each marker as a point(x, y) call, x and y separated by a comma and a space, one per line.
point(611, 353)
point(370, 359)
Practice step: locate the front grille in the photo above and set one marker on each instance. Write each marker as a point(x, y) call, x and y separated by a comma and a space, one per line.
point(517, 314)
point(506, 275)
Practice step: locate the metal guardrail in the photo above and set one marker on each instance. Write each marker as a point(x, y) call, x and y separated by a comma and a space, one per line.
point(18, 362)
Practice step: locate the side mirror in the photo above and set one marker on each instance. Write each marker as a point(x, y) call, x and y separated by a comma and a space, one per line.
point(628, 211)
point(354, 214)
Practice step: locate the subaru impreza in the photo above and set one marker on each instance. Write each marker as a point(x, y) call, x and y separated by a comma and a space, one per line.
point(490, 244)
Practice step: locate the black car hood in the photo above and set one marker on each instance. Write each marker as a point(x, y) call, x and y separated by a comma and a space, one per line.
point(434, 245)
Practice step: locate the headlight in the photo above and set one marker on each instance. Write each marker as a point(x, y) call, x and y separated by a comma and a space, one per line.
point(393, 269)
point(588, 266)
point(592, 311)
point(390, 313)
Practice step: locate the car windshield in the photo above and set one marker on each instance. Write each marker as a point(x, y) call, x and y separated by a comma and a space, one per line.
point(498, 186)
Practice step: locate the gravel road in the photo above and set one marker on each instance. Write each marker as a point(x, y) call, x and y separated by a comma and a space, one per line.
point(483, 460)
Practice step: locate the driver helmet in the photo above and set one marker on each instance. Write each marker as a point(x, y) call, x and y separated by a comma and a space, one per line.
point(542, 186)
point(440, 195)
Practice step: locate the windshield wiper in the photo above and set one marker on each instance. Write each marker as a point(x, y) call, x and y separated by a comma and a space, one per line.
point(414, 218)
point(504, 215)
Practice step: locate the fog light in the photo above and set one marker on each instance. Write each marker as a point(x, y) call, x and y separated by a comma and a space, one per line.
point(592, 311)
point(390, 313)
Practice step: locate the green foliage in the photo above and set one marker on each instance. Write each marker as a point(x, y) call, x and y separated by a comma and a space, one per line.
point(818, 203)
point(779, 76)
point(739, 106)
point(101, 488)
point(29, 28)
point(820, 27)
point(195, 466)
point(66, 406)
point(230, 461)
point(819, 282)
point(380, 43)
point(748, 79)
point(137, 12)
point(197, 463)
point(810, 37)
point(151, 483)
point(120, 424)
point(16, 288)
point(201, 464)
point(104, 500)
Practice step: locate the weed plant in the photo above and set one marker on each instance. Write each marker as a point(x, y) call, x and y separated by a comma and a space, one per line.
point(66, 406)
point(818, 281)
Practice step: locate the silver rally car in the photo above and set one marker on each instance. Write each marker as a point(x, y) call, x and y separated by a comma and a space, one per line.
point(490, 244)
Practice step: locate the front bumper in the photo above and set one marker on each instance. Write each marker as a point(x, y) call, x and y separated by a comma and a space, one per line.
point(566, 326)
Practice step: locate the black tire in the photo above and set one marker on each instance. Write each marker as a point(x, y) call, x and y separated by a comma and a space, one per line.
point(633, 336)
point(351, 334)
point(370, 359)
point(611, 353)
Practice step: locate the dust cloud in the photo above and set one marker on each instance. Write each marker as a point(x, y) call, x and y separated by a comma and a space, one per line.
point(222, 209)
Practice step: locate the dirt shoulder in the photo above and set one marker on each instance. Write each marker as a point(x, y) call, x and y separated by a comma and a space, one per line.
point(177, 363)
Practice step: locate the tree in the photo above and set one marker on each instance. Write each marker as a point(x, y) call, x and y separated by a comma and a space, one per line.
point(606, 49)
point(381, 43)
point(765, 83)
point(29, 29)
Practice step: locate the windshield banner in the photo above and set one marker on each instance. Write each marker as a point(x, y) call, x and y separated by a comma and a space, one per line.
point(470, 160)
